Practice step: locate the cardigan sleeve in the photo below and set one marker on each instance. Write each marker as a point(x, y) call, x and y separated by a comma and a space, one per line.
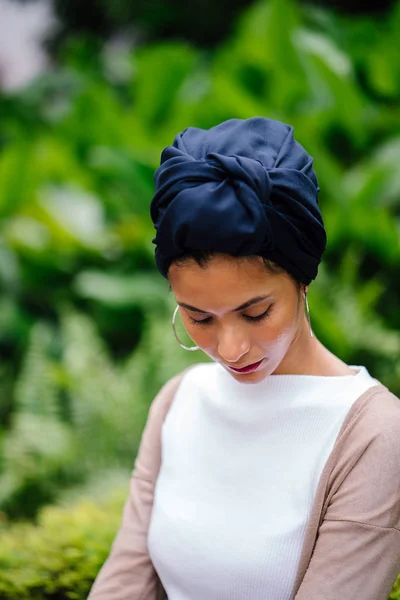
point(357, 549)
point(128, 573)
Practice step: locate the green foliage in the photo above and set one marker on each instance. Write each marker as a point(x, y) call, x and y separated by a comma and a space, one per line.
point(80, 413)
point(60, 556)
point(395, 593)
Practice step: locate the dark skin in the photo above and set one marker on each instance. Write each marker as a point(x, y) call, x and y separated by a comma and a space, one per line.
point(273, 329)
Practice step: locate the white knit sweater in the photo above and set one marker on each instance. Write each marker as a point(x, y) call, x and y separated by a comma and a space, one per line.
point(240, 466)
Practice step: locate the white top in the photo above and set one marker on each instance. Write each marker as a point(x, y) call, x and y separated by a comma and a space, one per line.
point(240, 467)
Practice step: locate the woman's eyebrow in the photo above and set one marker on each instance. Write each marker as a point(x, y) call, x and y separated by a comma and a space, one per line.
point(241, 307)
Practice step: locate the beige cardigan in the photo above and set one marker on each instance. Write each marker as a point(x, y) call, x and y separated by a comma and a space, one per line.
point(352, 543)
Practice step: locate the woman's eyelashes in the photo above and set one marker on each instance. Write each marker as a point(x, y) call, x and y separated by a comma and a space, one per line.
point(255, 319)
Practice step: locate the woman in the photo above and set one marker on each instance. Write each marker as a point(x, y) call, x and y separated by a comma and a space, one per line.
point(272, 472)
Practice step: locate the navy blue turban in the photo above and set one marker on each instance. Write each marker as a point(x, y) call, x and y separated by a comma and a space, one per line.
point(244, 187)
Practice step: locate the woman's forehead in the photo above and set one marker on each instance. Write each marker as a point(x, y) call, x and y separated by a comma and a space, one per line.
point(218, 267)
point(223, 282)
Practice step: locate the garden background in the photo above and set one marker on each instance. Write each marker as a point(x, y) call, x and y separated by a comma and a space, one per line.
point(85, 334)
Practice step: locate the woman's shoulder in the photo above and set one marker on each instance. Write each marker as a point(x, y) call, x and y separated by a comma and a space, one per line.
point(374, 419)
point(377, 412)
point(370, 433)
point(364, 467)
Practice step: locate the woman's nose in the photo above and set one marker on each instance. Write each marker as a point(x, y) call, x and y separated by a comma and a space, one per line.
point(232, 345)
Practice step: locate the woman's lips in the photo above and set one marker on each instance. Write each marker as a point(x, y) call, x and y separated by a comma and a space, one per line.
point(249, 368)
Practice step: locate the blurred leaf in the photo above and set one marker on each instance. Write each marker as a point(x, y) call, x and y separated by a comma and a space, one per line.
point(161, 71)
point(146, 291)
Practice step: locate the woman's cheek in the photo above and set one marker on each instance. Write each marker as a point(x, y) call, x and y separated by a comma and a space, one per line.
point(197, 334)
point(205, 340)
point(267, 334)
point(273, 336)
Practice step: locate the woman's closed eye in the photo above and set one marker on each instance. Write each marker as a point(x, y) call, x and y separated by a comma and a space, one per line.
point(252, 319)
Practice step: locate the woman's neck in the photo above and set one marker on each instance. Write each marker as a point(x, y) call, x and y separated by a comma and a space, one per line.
point(308, 356)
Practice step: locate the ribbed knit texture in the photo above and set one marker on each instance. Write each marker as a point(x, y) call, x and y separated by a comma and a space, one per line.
point(240, 466)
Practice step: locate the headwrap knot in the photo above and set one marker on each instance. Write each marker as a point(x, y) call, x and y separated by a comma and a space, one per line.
point(239, 195)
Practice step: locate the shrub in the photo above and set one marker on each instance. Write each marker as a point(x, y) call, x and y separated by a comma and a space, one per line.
point(395, 594)
point(60, 556)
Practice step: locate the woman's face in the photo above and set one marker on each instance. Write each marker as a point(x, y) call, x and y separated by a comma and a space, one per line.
point(239, 313)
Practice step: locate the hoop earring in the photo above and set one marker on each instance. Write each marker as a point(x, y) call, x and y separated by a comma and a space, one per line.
point(308, 314)
point(191, 348)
